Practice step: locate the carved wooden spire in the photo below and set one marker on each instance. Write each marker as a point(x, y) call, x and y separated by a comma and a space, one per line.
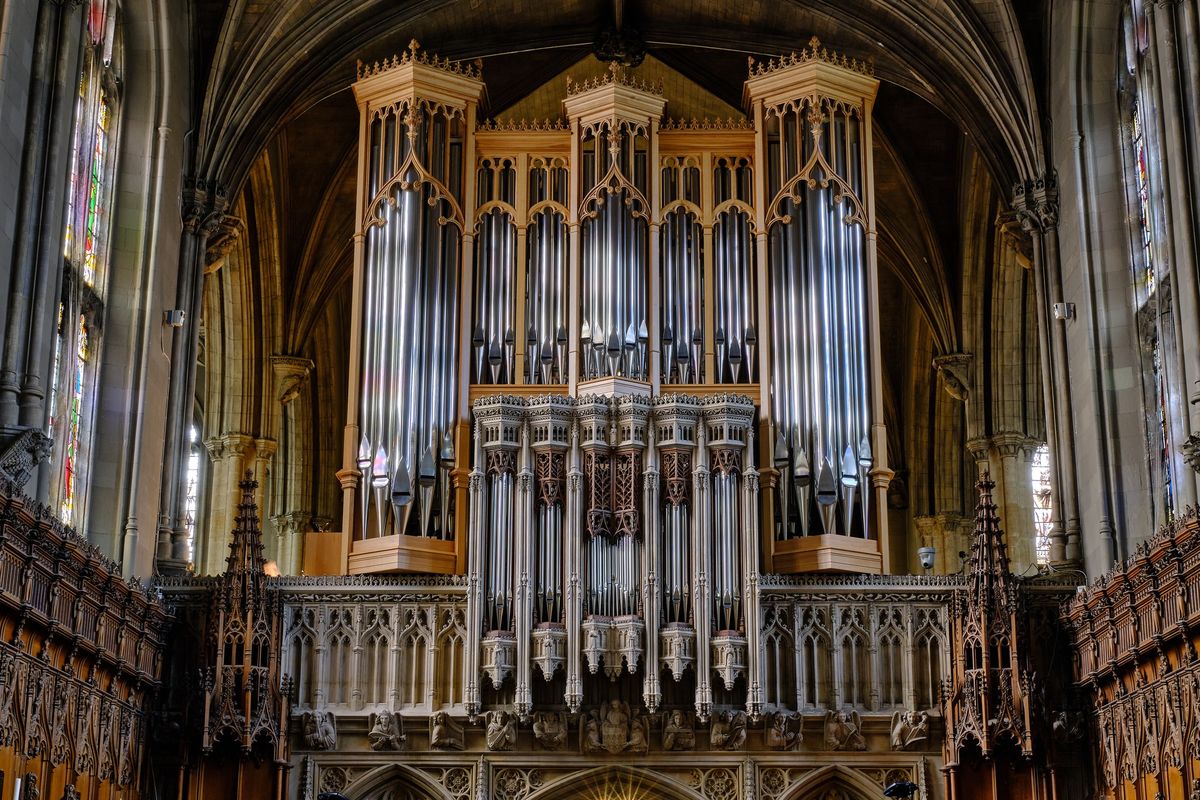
point(988, 703)
point(245, 695)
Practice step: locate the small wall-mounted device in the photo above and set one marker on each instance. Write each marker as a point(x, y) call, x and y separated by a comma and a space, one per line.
point(926, 555)
point(173, 317)
point(1064, 311)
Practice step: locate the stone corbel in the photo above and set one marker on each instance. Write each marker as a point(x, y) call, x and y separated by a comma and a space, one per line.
point(1008, 225)
point(222, 242)
point(955, 372)
point(291, 375)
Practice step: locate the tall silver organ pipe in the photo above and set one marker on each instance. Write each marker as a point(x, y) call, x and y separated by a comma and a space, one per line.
point(736, 336)
point(728, 420)
point(675, 420)
point(501, 423)
point(547, 336)
point(550, 420)
point(493, 334)
point(819, 387)
point(681, 273)
point(735, 271)
point(614, 231)
point(410, 318)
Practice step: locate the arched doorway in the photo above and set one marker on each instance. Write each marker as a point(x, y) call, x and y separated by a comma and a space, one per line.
point(625, 783)
point(398, 782)
point(834, 782)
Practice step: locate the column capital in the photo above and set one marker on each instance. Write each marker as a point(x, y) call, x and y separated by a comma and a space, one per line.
point(293, 522)
point(204, 204)
point(264, 449)
point(978, 448)
point(229, 445)
point(1012, 443)
point(1191, 451)
point(1035, 202)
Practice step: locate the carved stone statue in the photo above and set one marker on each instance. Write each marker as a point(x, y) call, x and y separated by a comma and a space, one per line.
point(320, 730)
point(678, 731)
point(784, 731)
point(387, 731)
point(843, 730)
point(501, 730)
point(639, 733)
point(31, 791)
point(589, 734)
point(614, 729)
point(728, 731)
point(444, 732)
point(70, 792)
point(909, 728)
point(550, 729)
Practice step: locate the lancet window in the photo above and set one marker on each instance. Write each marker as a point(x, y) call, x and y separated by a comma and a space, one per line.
point(1043, 510)
point(1151, 277)
point(85, 251)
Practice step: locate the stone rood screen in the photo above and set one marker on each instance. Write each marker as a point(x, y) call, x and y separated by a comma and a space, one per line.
point(613, 366)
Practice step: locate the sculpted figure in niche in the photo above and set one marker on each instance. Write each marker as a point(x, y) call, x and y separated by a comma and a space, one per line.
point(843, 730)
point(501, 730)
point(550, 730)
point(784, 732)
point(386, 731)
point(677, 731)
point(614, 729)
point(590, 733)
point(445, 733)
point(909, 728)
point(320, 730)
point(638, 733)
point(728, 730)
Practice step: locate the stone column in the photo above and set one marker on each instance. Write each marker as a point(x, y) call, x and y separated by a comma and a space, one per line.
point(1036, 205)
point(1016, 497)
point(291, 374)
point(289, 539)
point(264, 451)
point(228, 456)
point(203, 210)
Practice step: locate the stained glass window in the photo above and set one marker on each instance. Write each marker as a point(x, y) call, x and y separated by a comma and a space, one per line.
point(54, 374)
point(95, 211)
point(1042, 506)
point(191, 499)
point(75, 409)
point(86, 225)
point(1146, 268)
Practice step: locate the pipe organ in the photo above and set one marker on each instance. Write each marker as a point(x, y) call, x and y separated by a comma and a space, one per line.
point(613, 367)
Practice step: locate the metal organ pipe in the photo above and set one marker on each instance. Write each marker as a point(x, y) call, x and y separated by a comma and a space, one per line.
point(613, 331)
point(410, 264)
point(819, 390)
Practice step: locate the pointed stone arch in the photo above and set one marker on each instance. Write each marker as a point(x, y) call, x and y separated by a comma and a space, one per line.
point(374, 784)
point(824, 783)
point(633, 782)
